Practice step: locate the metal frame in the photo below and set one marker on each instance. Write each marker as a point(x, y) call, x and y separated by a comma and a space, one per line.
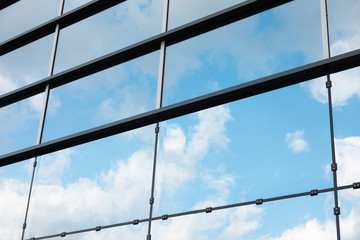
point(301, 74)
point(161, 41)
point(187, 31)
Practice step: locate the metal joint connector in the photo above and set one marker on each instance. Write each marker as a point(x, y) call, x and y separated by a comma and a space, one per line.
point(136, 222)
point(151, 201)
point(328, 84)
point(165, 217)
point(63, 234)
point(356, 185)
point(148, 237)
point(208, 210)
point(337, 211)
point(34, 164)
point(314, 192)
point(24, 226)
point(334, 167)
point(259, 201)
point(98, 228)
point(157, 129)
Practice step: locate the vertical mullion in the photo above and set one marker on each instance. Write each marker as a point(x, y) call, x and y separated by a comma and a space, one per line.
point(159, 100)
point(43, 113)
point(326, 50)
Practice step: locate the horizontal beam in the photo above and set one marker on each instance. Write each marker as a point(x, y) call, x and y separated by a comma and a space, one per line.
point(6, 3)
point(65, 20)
point(241, 91)
point(211, 22)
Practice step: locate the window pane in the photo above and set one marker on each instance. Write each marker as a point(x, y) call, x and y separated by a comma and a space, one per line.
point(265, 44)
point(122, 91)
point(184, 11)
point(99, 183)
point(344, 25)
point(269, 145)
point(25, 65)
point(108, 31)
point(19, 123)
point(24, 15)
point(71, 5)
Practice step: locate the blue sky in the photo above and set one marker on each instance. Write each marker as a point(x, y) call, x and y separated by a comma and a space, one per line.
point(273, 144)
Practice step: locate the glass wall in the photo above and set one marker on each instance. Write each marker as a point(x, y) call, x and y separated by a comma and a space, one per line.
point(179, 119)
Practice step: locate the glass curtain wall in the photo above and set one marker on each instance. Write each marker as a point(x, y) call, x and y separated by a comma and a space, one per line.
point(180, 119)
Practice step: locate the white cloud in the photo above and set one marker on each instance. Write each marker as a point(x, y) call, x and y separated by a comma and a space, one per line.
point(296, 142)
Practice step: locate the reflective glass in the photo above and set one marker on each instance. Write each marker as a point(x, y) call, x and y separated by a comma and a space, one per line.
point(273, 144)
point(19, 124)
point(108, 31)
point(25, 15)
point(265, 44)
point(184, 11)
point(71, 5)
point(99, 183)
point(344, 26)
point(25, 65)
point(116, 93)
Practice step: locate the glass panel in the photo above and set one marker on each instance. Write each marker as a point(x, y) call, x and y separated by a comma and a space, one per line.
point(269, 145)
point(19, 123)
point(350, 214)
point(14, 190)
point(344, 25)
point(71, 5)
point(184, 11)
point(99, 183)
point(262, 45)
point(303, 218)
point(122, 91)
point(107, 31)
point(25, 65)
point(24, 15)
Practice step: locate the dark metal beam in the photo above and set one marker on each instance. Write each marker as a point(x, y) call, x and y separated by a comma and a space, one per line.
point(241, 91)
point(67, 19)
point(211, 22)
point(6, 3)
